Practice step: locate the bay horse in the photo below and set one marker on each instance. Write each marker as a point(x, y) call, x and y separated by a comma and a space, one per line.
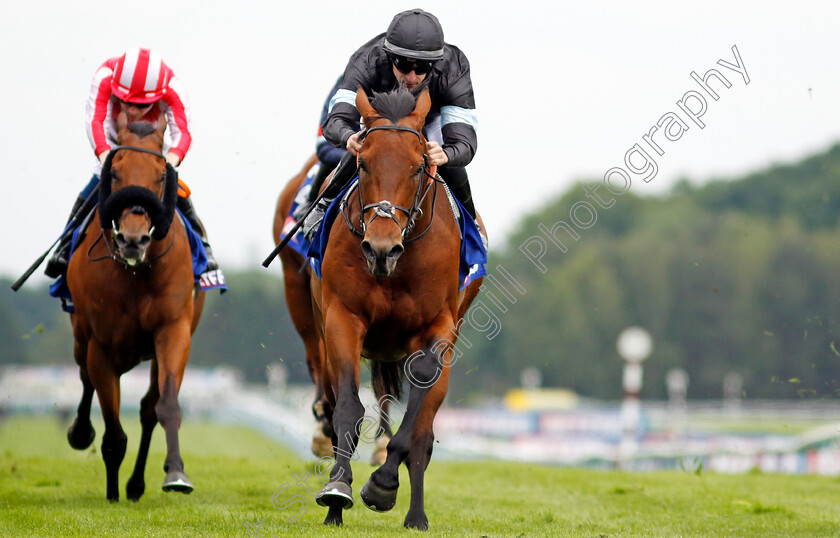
point(135, 299)
point(389, 292)
point(299, 303)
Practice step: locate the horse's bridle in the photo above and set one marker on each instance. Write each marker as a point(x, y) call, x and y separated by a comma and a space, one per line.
point(112, 253)
point(115, 149)
point(386, 209)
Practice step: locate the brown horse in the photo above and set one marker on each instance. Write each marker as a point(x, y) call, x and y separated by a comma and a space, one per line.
point(299, 302)
point(135, 299)
point(389, 292)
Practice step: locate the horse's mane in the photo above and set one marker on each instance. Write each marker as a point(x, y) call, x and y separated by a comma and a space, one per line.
point(142, 128)
point(395, 104)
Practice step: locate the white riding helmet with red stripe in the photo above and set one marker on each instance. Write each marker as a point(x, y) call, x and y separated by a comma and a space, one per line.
point(140, 76)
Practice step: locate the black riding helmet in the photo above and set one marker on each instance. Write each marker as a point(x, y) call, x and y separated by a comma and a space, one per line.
point(415, 34)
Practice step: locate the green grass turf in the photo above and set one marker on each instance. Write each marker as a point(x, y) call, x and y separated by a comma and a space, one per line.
point(49, 489)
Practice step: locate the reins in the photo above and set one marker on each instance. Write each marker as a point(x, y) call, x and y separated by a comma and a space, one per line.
point(386, 209)
point(115, 149)
point(112, 254)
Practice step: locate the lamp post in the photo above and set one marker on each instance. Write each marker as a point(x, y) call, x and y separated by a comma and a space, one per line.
point(733, 384)
point(677, 382)
point(634, 345)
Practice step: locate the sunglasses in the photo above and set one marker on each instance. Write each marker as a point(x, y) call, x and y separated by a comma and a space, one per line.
point(136, 105)
point(407, 65)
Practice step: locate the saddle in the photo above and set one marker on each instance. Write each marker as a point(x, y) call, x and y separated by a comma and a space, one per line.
point(473, 242)
point(204, 280)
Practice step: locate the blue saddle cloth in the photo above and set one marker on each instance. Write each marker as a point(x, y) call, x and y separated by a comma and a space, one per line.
point(473, 253)
point(60, 289)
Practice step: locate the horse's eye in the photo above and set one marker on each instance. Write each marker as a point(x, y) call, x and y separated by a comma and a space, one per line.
point(362, 166)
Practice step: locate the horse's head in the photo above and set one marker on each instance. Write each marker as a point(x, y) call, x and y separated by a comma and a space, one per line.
point(135, 179)
point(392, 172)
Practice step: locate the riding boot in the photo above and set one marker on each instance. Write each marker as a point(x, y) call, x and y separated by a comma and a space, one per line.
point(344, 172)
point(314, 218)
point(188, 209)
point(458, 182)
point(57, 264)
point(323, 171)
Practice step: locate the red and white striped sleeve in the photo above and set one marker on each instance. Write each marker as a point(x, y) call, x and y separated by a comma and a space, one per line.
point(178, 117)
point(98, 107)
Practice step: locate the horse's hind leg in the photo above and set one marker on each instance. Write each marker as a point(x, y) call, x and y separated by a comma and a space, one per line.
point(107, 384)
point(148, 419)
point(81, 432)
point(299, 303)
point(172, 348)
point(384, 434)
point(322, 437)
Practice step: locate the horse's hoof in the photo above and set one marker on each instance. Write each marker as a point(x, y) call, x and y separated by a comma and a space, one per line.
point(335, 494)
point(80, 438)
point(177, 481)
point(321, 444)
point(377, 498)
point(380, 452)
point(134, 490)
point(419, 521)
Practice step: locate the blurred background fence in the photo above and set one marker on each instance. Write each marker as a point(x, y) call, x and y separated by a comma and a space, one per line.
point(799, 437)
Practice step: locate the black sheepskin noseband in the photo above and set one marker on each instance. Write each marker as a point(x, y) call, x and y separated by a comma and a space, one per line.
point(160, 211)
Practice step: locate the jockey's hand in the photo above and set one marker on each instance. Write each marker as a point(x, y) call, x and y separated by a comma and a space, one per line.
point(436, 154)
point(353, 144)
point(104, 155)
point(173, 159)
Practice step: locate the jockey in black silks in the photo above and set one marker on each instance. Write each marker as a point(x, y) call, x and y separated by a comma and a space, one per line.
point(411, 52)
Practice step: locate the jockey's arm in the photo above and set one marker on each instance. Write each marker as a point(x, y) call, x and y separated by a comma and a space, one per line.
point(458, 120)
point(178, 120)
point(437, 156)
point(339, 127)
point(342, 116)
point(459, 143)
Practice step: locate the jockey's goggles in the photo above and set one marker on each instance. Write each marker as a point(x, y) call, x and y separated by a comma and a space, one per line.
point(137, 105)
point(407, 65)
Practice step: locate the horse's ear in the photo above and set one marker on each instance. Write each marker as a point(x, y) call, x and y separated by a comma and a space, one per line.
point(122, 121)
point(421, 108)
point(161, 122)
point(363, 104)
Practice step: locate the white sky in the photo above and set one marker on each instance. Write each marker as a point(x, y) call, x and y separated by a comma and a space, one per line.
point(563, 90)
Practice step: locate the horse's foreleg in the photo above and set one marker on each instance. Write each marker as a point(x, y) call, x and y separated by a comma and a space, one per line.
point(107, 384)
point(380, 492)
point(420, 453)
point(343, 349)
point(172, 348)
point(148, 419)
point(81, 432)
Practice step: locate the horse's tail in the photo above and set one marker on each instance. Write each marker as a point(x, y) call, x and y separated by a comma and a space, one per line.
point(387, 378)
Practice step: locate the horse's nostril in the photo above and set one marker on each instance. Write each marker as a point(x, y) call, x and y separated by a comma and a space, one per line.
point(120, 239)
point(396, 251)
point(144, 241)
point(368, 251)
